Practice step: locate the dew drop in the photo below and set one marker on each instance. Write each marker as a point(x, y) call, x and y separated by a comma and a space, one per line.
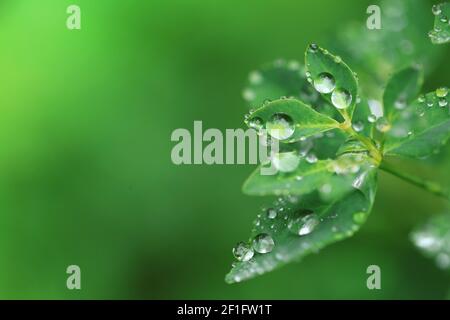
point(242, 252)
point(311, 158)
point(324, 83)
point(421, 98)
point(441, 92)
point(256, 123)
point(372, 118)
point(443, 102)
point(341, 98)
point(358, 126)
point(383, 125)
point(280, 126)
point(303, 225)
point(313, 48)
point(263, 243)
point(436, 9)
point(271, 213)
point(285, 161)
point(400, 103)
point(337, 59)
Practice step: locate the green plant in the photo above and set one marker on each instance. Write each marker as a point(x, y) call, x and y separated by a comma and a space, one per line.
point(341, 140)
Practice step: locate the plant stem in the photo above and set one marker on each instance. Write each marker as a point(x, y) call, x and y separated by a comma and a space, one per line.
point(374, 152)
point(427, 185)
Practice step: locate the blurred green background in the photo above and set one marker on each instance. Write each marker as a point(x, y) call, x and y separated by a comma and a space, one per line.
point(86, 175)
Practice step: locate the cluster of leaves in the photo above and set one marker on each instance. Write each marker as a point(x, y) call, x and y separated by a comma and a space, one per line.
point(339, 150)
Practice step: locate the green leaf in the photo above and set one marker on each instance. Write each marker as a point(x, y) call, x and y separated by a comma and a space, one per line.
point(307, 122)
point(360, 118)
point(401, 41)
point(401, 90)
point(441, 31)
point(320, 63)
point(433, 239)
point(333, 177)
point(329, 223)
point(421, 129)
point(276, 80)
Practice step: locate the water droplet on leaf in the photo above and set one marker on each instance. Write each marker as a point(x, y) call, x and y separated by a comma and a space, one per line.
point(280, 126)
point(263, 243)
point(242, 252)
point(341, 98)
point(324, 83)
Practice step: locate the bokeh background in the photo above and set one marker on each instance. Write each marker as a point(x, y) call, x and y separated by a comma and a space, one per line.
point(86, 175)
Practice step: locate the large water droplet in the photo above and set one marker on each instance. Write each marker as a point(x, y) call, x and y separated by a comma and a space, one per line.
point(341, 98)
point(304, 225)
point(280, 126)
point(286, 161)
point(256, 123)
point(324, 83)
point(242, 252)
point(263, 243)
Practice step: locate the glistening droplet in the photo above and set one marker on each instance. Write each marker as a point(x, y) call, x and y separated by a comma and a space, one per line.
point(263, 243)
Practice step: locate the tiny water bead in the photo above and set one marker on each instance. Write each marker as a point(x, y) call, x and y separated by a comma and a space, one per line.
point(263, 243)
point(285, 161)
point(304, 225)
point(325, 83)
point(400, 103)
point(313, 48)
point(280, 126)
point(441, 92)
point(421, 98)
point(341, 98)
point(271, 213)
point(242, 252)
point(311, 158)
point(383, 125)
